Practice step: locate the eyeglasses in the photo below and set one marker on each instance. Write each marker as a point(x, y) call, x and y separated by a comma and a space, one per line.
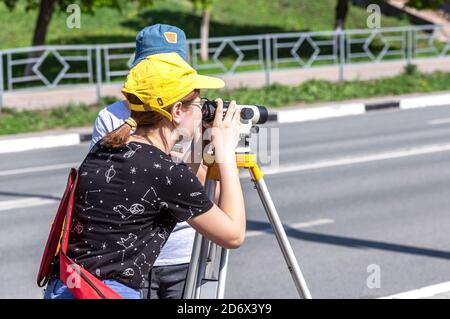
point(201, 103)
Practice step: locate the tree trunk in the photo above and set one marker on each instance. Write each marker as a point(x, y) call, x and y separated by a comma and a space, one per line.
point(45, 15)
point(46, 9)
point(341, 14)
point(204, 35)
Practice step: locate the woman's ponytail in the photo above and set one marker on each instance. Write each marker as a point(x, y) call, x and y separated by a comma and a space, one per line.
point(119, 136)
point(146, 120)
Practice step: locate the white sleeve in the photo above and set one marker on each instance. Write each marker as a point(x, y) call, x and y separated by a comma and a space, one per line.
point(108, 120)
point(101, 127)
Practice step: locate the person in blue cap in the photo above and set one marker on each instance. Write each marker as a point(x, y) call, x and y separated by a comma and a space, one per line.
point(168, 276)
point(154, 39)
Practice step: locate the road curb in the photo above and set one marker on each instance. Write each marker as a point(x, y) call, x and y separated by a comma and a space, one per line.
point(345, 109)
point(19, 144)
point(38, 142)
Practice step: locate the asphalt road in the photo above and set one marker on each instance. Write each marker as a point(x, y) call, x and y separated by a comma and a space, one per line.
point(358, 195)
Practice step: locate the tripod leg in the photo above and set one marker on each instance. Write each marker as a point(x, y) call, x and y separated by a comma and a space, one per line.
point(207, 269)
point(193, 268)
point(280, 234)
point(222, 273)
point(198, 257)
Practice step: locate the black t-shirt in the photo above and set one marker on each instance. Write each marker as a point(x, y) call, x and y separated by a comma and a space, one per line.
point(127, 202)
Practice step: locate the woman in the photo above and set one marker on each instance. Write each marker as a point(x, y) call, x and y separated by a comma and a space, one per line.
point(131, 193)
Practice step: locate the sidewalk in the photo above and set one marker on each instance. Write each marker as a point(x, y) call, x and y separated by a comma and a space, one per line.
point(49, 98)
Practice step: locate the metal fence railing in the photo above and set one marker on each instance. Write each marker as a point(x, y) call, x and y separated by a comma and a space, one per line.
point(51, 66)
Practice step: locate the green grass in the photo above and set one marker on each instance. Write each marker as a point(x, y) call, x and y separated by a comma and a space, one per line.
point(322, 91)
point(237, 17)
point(12, 122)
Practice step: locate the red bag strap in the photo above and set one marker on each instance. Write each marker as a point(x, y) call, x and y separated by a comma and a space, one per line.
point(54, 237)
point(91, 286)
point(68, 219)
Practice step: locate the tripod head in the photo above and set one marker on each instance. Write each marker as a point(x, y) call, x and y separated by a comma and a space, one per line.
point(251, 115)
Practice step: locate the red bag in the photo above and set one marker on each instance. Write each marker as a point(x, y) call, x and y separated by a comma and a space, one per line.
point(81, 283)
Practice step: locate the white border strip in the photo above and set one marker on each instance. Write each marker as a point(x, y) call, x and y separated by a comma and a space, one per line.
point(32, 143)
point(424, 101)
point(318, 113)
point(425, 292)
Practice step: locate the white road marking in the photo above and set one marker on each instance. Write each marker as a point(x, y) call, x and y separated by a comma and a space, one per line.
point(317, 222)
point(439, 121)
point(429, 149)
point(25, 202)
point(38, 169)
point(425, 292)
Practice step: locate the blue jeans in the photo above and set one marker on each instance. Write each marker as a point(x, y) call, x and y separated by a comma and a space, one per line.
point(57, 290)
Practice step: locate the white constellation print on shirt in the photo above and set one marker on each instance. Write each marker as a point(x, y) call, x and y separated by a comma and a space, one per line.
point(165, 159)
point(133, 148)
point(110, 173)
point(190, 212)
point(194, 194)
point(163, 205)
point(129, 272)
point(126, 213)
point(150, 197)
point(76, 227)
point(86, 199)
point(127, 243)
point(140, 262)
point(163, 234)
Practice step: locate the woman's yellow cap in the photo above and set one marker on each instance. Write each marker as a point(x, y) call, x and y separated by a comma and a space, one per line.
point(163, 79)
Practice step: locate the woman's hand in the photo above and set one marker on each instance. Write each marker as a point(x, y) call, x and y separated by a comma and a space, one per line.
point(225, 224)
point(225, 132)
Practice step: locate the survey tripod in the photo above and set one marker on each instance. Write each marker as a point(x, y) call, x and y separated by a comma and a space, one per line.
point(208, 267)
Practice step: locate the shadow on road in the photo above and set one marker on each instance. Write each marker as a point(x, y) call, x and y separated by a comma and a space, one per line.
point(29, 195)
point(350, 242)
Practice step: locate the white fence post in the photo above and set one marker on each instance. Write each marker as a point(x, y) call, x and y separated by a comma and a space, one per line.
point(268, 61)
point(1, 80)
point(98, 62)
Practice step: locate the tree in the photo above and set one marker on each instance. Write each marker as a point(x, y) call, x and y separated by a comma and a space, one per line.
point(343, 5)
point(205, 7)
point(47, 7)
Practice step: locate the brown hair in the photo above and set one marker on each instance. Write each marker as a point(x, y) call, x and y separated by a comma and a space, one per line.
point(146, 120)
